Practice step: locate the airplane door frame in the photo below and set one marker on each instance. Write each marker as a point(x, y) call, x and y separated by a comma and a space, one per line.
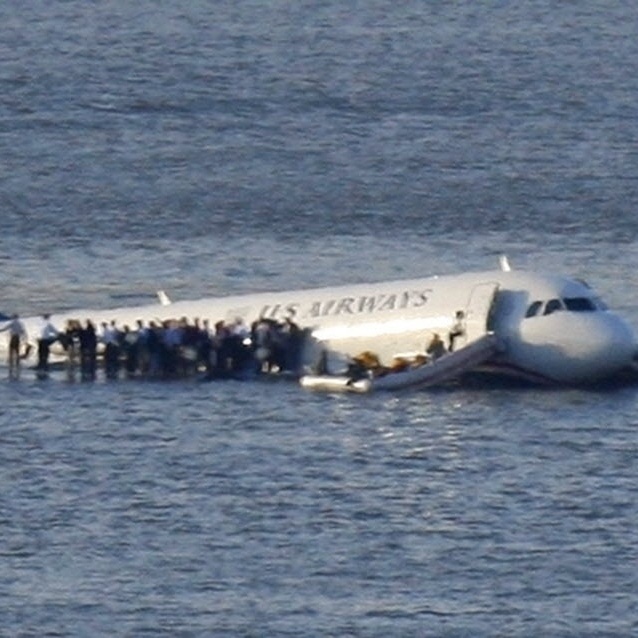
point(477, 311)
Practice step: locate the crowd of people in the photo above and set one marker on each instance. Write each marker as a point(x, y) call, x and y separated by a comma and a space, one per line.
point(170, 349)
point(179, 348)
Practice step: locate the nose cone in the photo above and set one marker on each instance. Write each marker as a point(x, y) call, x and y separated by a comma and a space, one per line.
point(577, 348)
point(599, 346)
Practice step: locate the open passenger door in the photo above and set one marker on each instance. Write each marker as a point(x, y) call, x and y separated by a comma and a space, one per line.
point(477, 313)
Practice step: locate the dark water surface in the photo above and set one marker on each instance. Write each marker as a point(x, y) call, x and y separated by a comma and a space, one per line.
point(222, 147)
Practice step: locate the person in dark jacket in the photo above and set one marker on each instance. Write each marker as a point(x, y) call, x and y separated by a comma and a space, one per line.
point(88, 351)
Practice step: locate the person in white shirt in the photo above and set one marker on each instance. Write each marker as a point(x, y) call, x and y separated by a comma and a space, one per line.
point(48, 335)
point(458, 329)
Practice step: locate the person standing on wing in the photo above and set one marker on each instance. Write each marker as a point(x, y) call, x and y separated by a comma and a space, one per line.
point(17, 334)
point(48, 335)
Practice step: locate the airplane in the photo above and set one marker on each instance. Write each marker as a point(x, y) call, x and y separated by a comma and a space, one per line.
point(551, 329)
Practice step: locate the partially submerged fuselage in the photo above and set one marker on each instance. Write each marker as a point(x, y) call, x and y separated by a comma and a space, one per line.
point(553, 329)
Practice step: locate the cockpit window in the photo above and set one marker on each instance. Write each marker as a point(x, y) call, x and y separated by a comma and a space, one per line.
point(553, 305)
point(534, 309)
point(572, 304)
point(580, 304)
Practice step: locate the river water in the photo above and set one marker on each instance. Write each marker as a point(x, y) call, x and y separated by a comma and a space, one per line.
point(217, 148)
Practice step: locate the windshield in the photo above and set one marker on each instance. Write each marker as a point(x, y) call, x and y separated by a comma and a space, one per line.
point(580, 304)
point(571, 304)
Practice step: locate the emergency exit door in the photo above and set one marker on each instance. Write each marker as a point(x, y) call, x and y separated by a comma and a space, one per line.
point(477, 312)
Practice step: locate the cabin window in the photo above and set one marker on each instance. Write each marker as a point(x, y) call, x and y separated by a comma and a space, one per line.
point(580, 304)
point(534, 309)
point(553, 305)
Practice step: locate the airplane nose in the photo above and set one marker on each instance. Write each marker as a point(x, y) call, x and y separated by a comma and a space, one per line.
point(616, 344)
point(589, 347)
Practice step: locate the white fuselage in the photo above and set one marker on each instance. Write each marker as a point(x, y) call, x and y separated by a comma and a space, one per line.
point(568, 337)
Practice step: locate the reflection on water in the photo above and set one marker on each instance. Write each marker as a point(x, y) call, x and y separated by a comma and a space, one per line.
point(124, 498)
